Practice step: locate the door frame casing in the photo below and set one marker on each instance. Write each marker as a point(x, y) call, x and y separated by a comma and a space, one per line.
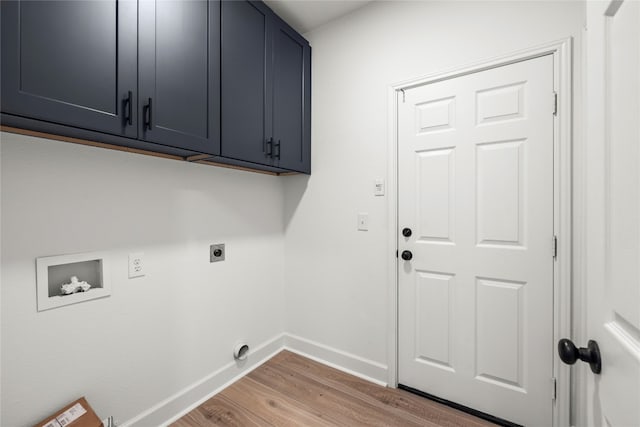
point(561, 50)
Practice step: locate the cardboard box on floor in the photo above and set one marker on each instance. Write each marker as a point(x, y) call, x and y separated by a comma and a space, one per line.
point(76, 414)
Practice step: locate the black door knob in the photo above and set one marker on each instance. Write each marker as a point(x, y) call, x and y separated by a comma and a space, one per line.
point(407, 255)
point(406, 232)
point(569, 354)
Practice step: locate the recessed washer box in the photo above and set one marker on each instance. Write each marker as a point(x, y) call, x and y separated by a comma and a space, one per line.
point(54, 271)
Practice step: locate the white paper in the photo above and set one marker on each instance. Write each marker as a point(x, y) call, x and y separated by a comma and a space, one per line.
point(71, 414)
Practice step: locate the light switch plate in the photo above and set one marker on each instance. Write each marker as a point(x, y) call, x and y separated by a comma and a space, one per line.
point(378, 189)
point(363, 221)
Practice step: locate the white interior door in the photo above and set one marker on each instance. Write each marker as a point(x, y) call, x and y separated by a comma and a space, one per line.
point(613, 212)
point(475, 175)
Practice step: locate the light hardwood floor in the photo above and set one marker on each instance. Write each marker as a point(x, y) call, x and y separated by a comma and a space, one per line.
point(291, 390)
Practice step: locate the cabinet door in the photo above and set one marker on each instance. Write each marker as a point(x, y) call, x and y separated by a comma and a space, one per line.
point(246, 77)
point(71, 63)
point(291, 99)
point(179, 54)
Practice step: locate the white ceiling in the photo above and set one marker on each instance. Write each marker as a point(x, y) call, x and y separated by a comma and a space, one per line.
point(306, 15)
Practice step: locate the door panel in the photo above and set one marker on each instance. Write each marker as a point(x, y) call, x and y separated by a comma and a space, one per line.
point(476, 183)
point(181, 38)
point(613, 209)
point(179, 73)
point(434, 306)
point(54, 65)
point(435, 170)
point(71, 62)
point(500, 193)
point(246, 72)
point(290, 73)
point(623, 79)
point(499, 332)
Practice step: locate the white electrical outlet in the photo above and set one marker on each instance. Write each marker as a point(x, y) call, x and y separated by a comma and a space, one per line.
point(136, 265)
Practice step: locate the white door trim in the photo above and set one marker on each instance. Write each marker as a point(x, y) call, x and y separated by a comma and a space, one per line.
point(562, 222)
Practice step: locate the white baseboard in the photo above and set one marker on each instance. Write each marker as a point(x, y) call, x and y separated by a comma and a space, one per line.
point(350, 363)
point(174, 407)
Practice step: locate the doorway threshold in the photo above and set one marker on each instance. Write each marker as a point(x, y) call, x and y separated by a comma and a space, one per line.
point(459, 407)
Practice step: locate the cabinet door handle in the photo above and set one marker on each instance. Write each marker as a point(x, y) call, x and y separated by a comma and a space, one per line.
point(269, 149)
point(128, 106)
point(276, 145)
point(147, 115)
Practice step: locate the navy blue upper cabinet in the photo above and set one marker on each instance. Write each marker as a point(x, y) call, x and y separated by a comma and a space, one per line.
point(179, 68)
point(148, 70)
point(71, 63)
point(291, 99)
point(266, 92)
point(246, 86)
point(228, 81)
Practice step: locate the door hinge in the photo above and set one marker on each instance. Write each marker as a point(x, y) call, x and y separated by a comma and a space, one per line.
point(555, 104)
point(404, 95)
point(553, 389)
point(555, 247)
point(396, 253)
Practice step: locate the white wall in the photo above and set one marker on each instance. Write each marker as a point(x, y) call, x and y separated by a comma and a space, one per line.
point(155, 335)
point(336, 277)
point(159, 334)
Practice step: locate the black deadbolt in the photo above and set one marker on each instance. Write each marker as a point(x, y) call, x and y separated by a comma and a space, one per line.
point(569, 354)
point(217, 252)
point(407, 255)
point(406, 232)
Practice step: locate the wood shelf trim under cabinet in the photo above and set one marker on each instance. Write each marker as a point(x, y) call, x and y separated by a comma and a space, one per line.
point(240, 168)
point(191, 159)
